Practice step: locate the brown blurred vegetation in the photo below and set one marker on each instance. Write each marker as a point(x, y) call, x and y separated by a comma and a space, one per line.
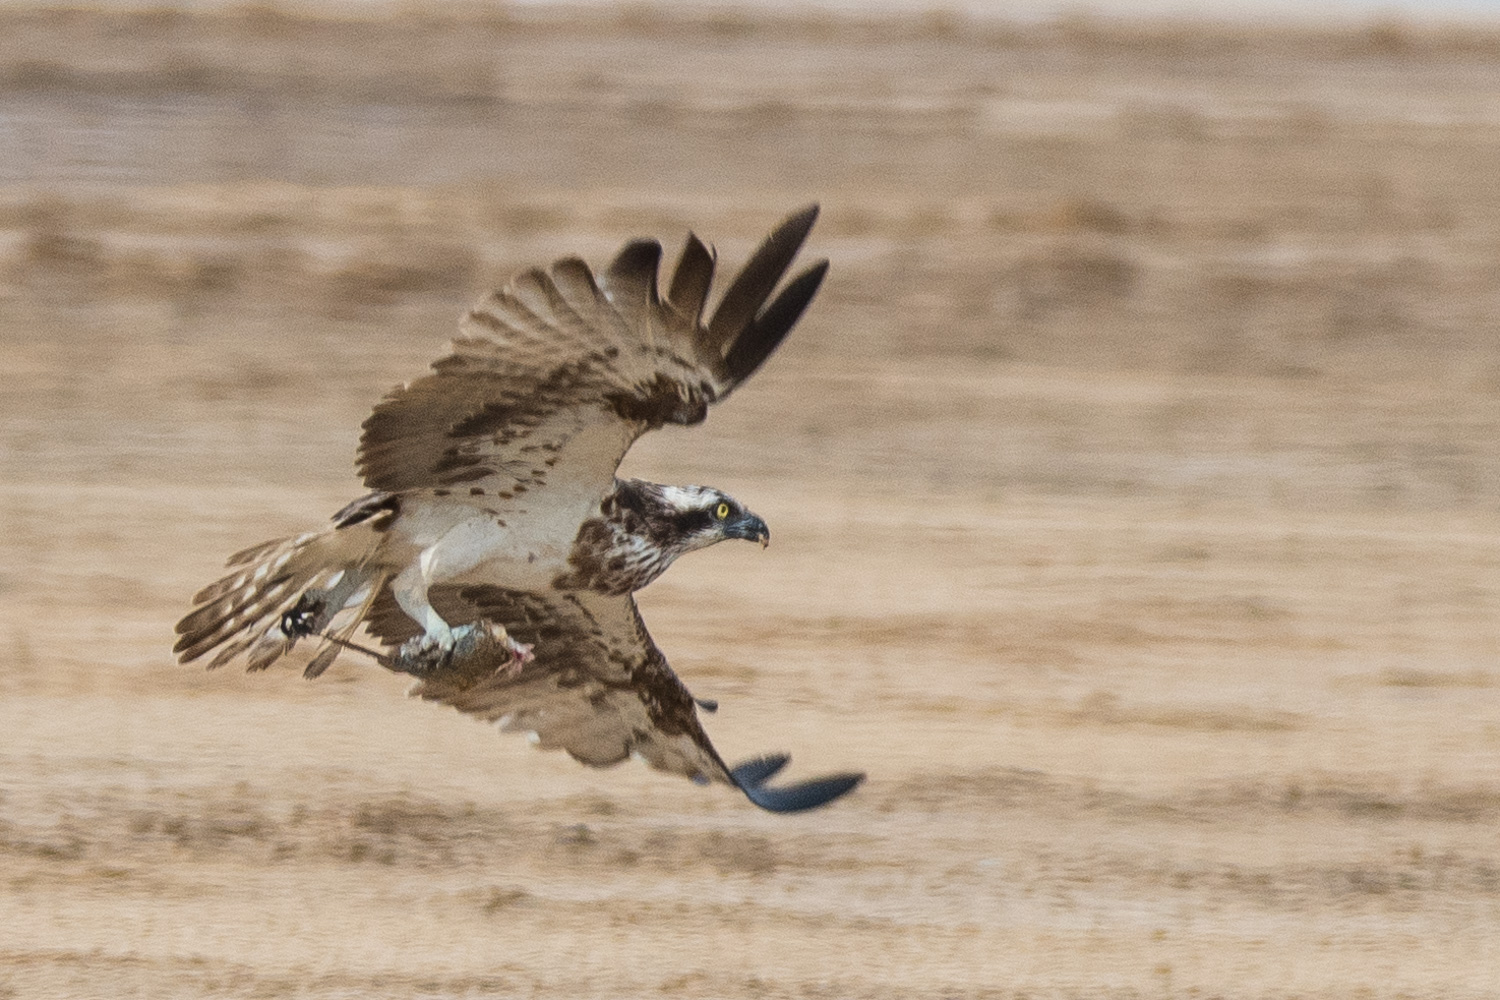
point(1270, 219)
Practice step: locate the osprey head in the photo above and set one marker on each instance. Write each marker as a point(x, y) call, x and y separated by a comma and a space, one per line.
point(643, 527)
point(695, 517)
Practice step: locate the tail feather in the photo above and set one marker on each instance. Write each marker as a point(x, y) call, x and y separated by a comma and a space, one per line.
point(272, 601)
point(271, 647)
point(243, 611)
point(333, 646)
point(231, 613)
point(232, 649)
point(255, 553)
point(221, 588)
point(323, 660)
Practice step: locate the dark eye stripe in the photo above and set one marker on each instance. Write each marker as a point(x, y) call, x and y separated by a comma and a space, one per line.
point(693, 520)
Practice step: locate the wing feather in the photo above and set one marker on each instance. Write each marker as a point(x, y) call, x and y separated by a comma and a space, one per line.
point(578, 367)
point(688, 293)
point(598, 689)
point(766, 332)
point(759, 276)
point(631, 279)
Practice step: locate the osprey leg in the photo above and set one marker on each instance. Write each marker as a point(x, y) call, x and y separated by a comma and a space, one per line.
point(474, 645)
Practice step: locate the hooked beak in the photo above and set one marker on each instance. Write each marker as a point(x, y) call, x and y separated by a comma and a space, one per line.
point(750, 528)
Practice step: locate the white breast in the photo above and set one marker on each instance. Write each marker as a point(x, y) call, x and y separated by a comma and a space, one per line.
point(513, 543)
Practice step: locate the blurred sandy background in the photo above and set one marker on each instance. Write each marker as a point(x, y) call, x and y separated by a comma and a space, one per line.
point(1134, 484)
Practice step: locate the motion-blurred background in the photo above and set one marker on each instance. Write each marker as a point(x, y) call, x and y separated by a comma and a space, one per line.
point(1134, 483)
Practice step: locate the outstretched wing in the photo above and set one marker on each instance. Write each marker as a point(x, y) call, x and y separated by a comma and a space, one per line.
point(598, 688)
point(554, 376)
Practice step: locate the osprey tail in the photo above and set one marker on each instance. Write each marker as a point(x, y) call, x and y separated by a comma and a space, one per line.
point(282, 590)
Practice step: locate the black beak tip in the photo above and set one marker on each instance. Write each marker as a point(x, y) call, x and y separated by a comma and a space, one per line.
point(751, 529)
point(759, 532)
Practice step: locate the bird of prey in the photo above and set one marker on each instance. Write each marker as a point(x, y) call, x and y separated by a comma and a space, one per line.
point(497, 553)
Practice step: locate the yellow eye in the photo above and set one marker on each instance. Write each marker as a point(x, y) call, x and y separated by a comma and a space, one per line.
point(722, 511)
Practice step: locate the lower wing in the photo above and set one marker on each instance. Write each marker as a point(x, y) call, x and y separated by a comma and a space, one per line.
point(597, 688)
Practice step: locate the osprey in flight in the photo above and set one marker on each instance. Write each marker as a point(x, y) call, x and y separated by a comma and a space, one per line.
point(496, 556)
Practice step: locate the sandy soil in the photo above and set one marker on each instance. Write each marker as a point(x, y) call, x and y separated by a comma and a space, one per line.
point(1134, 486)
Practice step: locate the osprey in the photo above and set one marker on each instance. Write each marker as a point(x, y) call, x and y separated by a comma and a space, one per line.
point(496, 557)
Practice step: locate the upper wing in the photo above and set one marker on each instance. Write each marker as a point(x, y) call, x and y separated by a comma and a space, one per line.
point(553, 376)
point(598, 688)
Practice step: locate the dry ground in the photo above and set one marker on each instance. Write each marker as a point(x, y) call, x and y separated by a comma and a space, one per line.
point(1134, 484)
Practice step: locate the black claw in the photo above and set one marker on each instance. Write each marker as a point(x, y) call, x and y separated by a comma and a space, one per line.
point(707, 704)
point(752, 775)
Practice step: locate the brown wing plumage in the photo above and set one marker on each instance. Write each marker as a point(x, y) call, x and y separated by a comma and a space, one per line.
point(598, 688)
point(553, 376)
